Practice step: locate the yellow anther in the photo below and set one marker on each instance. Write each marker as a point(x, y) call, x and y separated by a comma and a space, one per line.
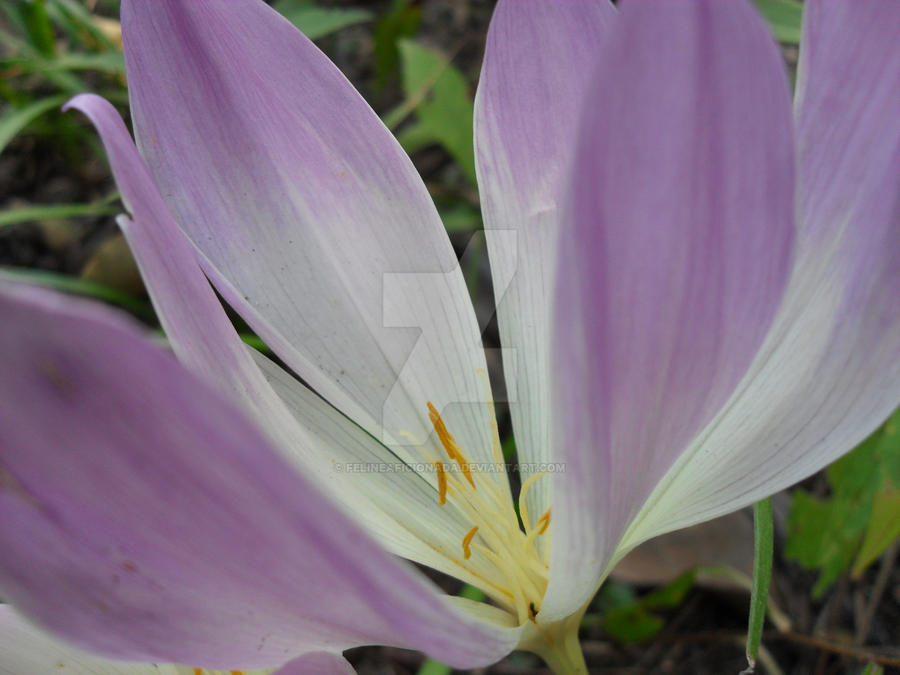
point(467, 552)
point(442, 482)
point(447, 439)
point(543, 522)
point(449, 443)
point(444, 435)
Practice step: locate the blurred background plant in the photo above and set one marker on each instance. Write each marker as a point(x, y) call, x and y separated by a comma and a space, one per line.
point(676, 605)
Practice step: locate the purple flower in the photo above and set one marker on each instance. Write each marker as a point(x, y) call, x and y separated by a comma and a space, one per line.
point(697, 296)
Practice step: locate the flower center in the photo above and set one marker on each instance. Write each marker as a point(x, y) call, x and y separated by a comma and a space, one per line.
point(516, 574)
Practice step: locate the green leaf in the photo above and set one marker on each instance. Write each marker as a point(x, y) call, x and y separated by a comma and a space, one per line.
point(824, 535)
point(255, 342)
point(14, 15)
point(764, 536)
point(401, 21)
point(109, 62)
point(509, 448)
point(416, 136)
point(442, 101)
point(785, 18)
point(629, 619)
point(106, 62)
point(632, 623)
point(883, 529)
point(671, 595)
point(32, 62)
point(15, 120)
point(872, 669)
point(827, 534)
point(461, 217)
point(614, 594)
point(470, 592)
point(38, 28)
point(432, 667)
point(316, 22)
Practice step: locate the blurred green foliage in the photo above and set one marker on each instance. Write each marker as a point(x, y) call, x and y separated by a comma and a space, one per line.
point(317, 22)
point(443, 105)
point(851, 527)
point(51, 50)
point(401, 20)
point(629, 617)
point(27, 214)
point(784, 18)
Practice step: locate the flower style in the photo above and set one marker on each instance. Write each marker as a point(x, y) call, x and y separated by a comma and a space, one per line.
point(697, 297)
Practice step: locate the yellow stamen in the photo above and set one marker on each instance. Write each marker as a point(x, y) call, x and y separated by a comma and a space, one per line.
point(198, 671)
point(467, 552)
point(442, 482)
point(449, 443)
point(523, 493)
point(447, 439)
point(508, 566)
point(545, 519)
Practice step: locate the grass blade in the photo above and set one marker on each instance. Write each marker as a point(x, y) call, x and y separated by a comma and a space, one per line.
point(14, 120)
point(112, 63)
point(762, 576)
point(79, 23)
point(38, 28)
point(27, 214)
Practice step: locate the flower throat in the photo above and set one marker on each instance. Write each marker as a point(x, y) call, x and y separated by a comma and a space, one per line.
point(518, 568)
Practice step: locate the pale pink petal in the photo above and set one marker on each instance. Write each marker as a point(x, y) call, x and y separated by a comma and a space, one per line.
point(672, 266)
point(539, 61)
point(400, 509)
point(829, 372)
point(144, 518)
point(200, 332)
point(311, 219)
point(27, 650)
